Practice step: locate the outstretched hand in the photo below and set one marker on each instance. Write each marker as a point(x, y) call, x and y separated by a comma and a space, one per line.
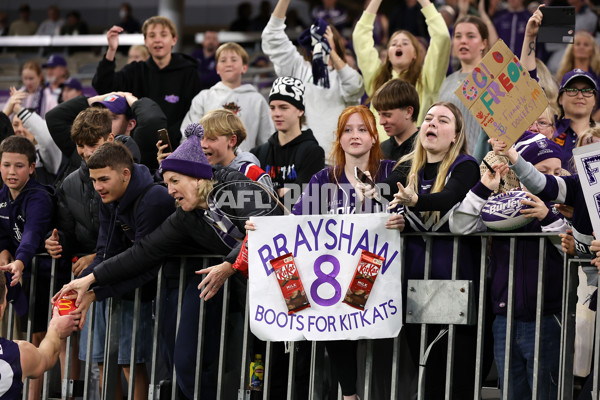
point(214, 279)
point(406, 195)
point(80, 286)
point(16, 269)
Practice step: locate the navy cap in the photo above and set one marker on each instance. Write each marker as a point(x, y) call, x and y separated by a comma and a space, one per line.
point(116, 104)
point(55, 60)
point(578, 73)
point(73, 84)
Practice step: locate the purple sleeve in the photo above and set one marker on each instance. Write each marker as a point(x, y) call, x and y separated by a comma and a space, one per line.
point(38, 209)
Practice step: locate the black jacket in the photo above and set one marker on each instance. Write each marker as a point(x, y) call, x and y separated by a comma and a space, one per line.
point(294, 162)
point(172, 87)
point(149, 118)
point(78, 205)
point(183, 228)
point(143, 208)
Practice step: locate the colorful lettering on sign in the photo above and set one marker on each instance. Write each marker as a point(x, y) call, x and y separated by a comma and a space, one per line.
point(469, 91)
point(329, 323)
point(343, 237)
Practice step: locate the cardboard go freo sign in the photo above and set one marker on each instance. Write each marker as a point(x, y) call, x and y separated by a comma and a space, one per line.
point(326, 250)
point(501, 95)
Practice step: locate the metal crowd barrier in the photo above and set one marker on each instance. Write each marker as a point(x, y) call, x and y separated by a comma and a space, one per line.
point(318, 372)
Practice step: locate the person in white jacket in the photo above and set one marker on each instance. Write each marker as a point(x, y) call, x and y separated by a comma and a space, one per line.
point(30, 125)
point(243, 100)
point(323, 105)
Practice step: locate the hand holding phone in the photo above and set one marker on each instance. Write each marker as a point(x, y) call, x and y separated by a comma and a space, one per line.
point(163, 135)
point(362, 177)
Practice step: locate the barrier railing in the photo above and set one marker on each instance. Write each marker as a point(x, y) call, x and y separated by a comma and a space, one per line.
point(236, 371)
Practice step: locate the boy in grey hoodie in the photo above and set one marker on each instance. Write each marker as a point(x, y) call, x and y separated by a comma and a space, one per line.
point(243, 100)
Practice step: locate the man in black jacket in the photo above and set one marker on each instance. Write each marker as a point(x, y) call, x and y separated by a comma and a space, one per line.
point(214, 227)
point(170, 79)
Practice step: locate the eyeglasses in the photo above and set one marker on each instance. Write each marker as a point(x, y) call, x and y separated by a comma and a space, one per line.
point(542, 124)
point(587, 92)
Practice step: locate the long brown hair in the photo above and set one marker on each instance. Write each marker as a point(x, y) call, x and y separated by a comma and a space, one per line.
point(338, 156)
point(412, 74)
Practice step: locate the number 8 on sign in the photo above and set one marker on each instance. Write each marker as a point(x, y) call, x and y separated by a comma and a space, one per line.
point(323, 278)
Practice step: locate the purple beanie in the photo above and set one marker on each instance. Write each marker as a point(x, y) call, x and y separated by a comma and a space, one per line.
point(541, 150)
point(189, 159)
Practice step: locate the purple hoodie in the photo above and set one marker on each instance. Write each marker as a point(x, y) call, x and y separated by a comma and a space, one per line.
point(324, 194)
point(25, 221)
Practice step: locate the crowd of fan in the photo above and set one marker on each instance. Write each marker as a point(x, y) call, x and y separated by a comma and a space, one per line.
point(91, 180)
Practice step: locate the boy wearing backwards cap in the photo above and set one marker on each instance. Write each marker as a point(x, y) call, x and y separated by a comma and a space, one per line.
point(242, 99)
point(545, 157)
point(291, 155)
point(137, 118)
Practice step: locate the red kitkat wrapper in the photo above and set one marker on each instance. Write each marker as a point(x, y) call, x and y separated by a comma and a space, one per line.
point(241, 262)
point(290, 283)
point(366, 272)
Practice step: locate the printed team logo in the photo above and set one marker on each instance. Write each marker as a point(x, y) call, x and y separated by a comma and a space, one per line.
point(239, 195)
point(17, 232)
point(542, 144)
point(171, 98)
point(231, 106)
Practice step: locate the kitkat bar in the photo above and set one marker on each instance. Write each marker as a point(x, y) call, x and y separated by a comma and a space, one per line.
point(366, 272)
point(290, 283)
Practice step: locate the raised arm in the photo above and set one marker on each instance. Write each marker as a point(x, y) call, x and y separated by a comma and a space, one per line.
point(112, 37)
point(492, 33)
point(286, 59)
point(367, 56)
point(529, 43)
point(48, 149)
point(281, 8)
point(437, 58)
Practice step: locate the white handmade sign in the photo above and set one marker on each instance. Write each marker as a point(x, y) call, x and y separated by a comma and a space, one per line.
point(326, 251)
point(587, 162)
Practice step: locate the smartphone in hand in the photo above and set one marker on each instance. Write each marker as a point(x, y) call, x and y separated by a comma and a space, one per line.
point(362, 177)
point(163, 135)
